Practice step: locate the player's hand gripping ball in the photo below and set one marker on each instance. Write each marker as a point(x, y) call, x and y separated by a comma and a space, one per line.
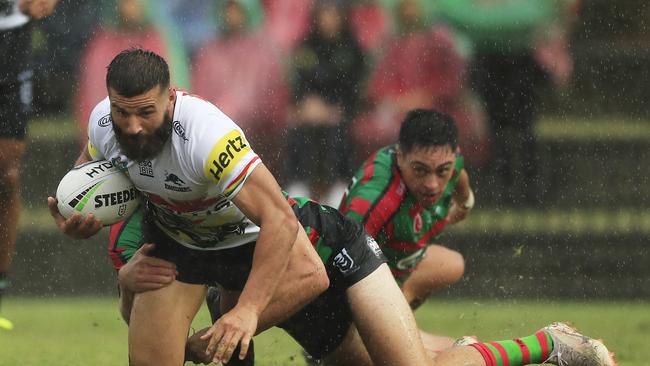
point(100, 188)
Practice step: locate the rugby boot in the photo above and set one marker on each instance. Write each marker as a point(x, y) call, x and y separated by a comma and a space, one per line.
point(571, 348)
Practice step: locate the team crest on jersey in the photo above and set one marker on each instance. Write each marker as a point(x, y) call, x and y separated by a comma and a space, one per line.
point(105, 121)
point(174, 183)
point(345, 263)
point(180, 130)
point(146, 168)
point(417, 223)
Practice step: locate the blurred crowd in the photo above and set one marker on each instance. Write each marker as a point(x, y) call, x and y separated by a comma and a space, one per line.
point(318, 85)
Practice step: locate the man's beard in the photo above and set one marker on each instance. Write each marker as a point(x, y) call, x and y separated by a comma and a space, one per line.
point(144, 146)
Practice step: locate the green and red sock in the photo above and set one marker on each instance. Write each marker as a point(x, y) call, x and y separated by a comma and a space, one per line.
point(521, 351)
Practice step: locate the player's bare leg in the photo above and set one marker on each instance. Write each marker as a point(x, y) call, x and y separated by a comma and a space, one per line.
point(159, 324)
point(385, 323)
point(11, 153)
point(441, 267)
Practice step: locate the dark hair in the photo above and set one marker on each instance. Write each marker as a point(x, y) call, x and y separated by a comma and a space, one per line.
point(135, 71)
point(427, 128)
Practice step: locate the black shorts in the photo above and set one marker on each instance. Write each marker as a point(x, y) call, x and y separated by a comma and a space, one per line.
point(15, 107)
point(321, 326)
point(228, 268)
point(348, 252)
point(15, 82)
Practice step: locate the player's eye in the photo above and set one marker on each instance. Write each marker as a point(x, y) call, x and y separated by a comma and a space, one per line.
point(420, 172)
point(442, 172)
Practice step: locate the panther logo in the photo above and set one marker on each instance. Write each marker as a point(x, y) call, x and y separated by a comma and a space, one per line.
point(173, 178)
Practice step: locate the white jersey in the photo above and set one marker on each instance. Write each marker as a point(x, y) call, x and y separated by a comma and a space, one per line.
point(191, 183)
point(10, 15)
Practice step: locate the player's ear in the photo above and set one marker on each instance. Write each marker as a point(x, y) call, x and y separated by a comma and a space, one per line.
point(171, 93)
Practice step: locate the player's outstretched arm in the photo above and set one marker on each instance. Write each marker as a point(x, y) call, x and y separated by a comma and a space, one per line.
point(261, 200)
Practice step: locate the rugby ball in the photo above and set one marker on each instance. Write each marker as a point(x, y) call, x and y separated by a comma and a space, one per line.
point(100, 188)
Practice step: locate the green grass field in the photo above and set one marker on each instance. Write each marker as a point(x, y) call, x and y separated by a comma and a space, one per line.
point(88, 331)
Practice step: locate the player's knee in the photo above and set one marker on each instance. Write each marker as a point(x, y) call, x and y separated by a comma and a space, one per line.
point(456, 267)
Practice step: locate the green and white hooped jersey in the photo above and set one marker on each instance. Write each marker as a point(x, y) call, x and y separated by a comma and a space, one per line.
point(378, 198)
point(191, 183)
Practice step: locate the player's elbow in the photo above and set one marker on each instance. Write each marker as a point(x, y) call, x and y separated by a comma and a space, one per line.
point(320, 282)
point(290, 224)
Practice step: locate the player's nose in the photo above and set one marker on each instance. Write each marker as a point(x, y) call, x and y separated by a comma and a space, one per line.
point(133, 126)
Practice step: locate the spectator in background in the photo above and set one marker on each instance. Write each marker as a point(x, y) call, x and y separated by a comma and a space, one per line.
point(126, 25)
point(508, 69)
point(421, 68)
point(195, 23)
point(15, 108)
point(371, 24)
point(242, 73)
point(329, 68)
point(61, 39)
point(286, 21)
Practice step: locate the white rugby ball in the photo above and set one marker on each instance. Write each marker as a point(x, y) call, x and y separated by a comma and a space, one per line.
point(100, 188)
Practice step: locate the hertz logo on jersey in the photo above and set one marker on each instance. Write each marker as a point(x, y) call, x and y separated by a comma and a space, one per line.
point(225, 154)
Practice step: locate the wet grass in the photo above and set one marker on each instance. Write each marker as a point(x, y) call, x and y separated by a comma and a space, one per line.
point(88, 331)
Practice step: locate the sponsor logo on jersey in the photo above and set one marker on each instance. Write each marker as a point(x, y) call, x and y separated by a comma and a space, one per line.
point(179, 130)
point(345, 263)
point(417, 223)
point(146, 168)
point(105, 121)
point(225, 155)
point(411, 261)
point(372, 244)
point(177, 184)
point(116, 198)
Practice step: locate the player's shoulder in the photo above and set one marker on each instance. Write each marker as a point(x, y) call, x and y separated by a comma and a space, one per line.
point(380, 165)
point(100, 118)
point(197, 118)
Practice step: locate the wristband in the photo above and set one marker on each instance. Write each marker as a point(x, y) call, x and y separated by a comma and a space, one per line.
point(469, 203)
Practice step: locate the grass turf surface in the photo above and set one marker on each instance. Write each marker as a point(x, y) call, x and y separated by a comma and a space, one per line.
point(88, 331)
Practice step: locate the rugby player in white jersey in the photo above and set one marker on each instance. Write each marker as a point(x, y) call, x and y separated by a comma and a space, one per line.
point(211, 208)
